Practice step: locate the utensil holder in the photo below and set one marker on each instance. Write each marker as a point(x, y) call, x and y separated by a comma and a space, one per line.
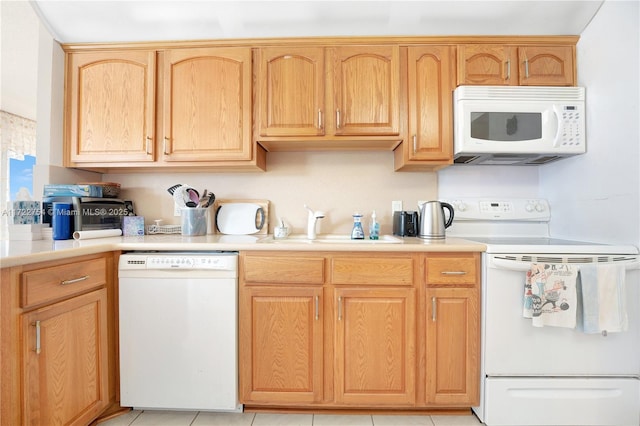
point(194, 221)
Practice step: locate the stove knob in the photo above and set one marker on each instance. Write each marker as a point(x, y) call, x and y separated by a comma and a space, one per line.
point(529, 207)
point(539, 207)
point(461, 206)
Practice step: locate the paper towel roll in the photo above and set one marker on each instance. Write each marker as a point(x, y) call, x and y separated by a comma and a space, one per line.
point(100, 233)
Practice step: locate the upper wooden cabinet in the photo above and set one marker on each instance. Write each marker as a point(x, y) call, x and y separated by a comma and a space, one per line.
point(201, 115)
point(430, 83)
point(328, 97)
point(206, 106)
point(110, 115)
point(220, 105)
point(366, 89)
point(291, 98)
point(489, 64)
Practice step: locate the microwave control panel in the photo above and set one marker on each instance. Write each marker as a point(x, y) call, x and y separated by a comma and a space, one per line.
point(571, 131)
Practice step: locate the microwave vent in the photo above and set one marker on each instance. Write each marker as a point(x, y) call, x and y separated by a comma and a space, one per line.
point(543, 160)
point(465, 159)
point(520, 93)
point(502, 159)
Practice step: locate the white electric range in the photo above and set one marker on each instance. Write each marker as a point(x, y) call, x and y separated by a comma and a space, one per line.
point(547, 375)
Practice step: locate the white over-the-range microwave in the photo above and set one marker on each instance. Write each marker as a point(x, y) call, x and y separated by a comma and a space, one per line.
point(518, 125)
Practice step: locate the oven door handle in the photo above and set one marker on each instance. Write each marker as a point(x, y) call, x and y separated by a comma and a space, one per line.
point(520, 266)
point(511, 265)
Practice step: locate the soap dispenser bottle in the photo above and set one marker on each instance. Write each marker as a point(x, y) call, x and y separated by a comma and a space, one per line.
point(374, 227)
point(357, 233)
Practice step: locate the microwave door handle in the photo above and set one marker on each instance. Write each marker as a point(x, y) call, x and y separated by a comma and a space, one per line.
point(560, 125)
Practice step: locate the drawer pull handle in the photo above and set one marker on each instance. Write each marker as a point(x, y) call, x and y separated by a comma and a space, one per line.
point(433, 309)
point(76, 280)
point(319, 119)
point(508, 70)
point(338, 118)
point(339, 308)
point(317, 303)
point(454, 272)
point(37, 326)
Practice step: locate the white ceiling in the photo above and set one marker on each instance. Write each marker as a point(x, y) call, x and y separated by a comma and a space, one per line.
point(110, 21)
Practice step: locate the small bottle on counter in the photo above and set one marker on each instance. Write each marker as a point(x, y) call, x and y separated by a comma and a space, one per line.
point(357, 233)
point(374, 227)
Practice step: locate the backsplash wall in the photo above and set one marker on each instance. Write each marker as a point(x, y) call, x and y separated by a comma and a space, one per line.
point(338, 183)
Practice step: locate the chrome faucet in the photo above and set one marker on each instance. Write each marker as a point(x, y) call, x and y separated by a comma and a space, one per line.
point(311, 222)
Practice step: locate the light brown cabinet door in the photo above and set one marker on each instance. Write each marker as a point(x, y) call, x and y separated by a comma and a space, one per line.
point(487, 64)
point(375, 346)
point(281, 348)
point(366, 87)
point(65, 380)
point(431, 83)
point(453, 346)
point(206, 105)
point(110, 107)
point(546, 66)
point(291, 91)
point(512, 65)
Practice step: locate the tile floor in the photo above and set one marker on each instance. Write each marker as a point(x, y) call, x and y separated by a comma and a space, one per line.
point(185, 418)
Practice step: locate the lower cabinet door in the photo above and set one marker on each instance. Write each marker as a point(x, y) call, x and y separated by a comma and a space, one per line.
point(65, 361)
point(453, 346)
point(375, 346)
point(281, 348)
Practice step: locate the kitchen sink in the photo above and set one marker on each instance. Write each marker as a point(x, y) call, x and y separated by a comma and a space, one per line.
point(330, 239)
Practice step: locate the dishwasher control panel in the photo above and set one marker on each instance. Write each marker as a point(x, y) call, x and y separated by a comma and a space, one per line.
point(194, 261)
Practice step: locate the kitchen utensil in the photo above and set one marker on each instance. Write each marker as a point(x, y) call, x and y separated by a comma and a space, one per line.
point(432, 220)
point(193, 195)
point(240, 218)
point(207, 199)
point(184, 196)
point(173, 188)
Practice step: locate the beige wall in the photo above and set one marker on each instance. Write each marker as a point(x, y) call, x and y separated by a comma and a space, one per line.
point(338, 183)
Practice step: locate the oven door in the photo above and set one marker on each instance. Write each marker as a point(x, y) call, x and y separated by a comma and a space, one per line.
point(514, 347)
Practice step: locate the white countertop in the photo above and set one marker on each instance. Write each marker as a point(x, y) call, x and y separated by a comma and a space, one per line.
point(14, 253)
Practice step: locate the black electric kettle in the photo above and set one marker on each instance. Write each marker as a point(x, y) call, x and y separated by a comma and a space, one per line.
point(432, 220)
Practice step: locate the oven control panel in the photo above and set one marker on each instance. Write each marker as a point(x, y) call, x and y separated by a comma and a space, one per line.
point(527, 209)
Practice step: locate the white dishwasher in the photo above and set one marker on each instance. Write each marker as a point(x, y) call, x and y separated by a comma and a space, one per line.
point(178, 330)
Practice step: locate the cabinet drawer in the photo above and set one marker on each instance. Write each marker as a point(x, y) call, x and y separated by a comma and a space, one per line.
point(452, 270)
point(283, 270)
point(372, 271)
point(58, 282)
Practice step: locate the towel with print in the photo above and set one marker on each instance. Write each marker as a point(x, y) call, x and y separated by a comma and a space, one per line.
point(550, 295)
